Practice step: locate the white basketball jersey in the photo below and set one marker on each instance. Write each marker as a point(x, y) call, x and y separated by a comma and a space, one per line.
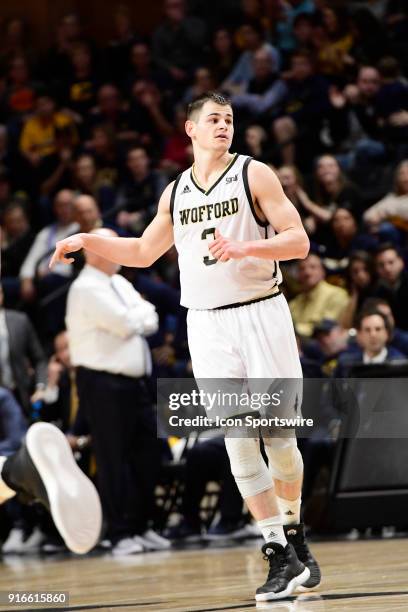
point(207, 283)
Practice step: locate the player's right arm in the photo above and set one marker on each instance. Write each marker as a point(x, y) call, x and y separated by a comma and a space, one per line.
point(132, 252)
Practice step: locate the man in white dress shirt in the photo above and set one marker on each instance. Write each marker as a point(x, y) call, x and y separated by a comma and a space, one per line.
point(107, 321)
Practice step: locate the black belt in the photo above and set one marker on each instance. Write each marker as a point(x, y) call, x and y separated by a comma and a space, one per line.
point(254, 301)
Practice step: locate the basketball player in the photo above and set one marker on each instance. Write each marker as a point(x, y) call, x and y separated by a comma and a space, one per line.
point(44, 470)
point(231, 224)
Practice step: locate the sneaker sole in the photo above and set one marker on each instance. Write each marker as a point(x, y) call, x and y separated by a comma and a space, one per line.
point(295, 582)
point(74, 502)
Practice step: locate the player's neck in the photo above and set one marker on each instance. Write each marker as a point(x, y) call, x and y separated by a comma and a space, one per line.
point(207, 164)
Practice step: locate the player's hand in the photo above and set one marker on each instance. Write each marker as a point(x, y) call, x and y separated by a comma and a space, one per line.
point(225, 249)
point(63, 247)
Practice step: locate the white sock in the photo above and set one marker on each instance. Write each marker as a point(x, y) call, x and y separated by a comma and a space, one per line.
point(272, 530)
point(5, 491)
point(290, 510)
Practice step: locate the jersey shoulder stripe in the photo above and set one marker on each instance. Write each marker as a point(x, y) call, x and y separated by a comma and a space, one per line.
point(249, 194)
point(173, 195)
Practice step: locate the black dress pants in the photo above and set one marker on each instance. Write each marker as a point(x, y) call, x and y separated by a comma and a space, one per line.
point(123, 429)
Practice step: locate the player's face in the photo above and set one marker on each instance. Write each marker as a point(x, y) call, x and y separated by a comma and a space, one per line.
point(213, 128)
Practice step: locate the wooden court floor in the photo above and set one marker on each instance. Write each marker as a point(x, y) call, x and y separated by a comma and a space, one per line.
point(363, 575)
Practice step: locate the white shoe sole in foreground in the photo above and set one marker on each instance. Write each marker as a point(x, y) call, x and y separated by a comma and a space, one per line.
point(74, 501)
point(295, 582)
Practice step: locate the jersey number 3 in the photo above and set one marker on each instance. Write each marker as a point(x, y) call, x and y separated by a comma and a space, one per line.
point(209, 261)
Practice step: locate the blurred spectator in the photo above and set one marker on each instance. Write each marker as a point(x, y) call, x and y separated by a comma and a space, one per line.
point(104, 150)
point(332, 190)
point(87, 180)
point(243, 72)
point(355, 115)
point(107, 321)
point(305, 108)
point(394, 206)
point(360, 278)
point(111, 111)
point(344, 238)
point(35, 266)
point(142, 67)
point(19, 96)
point(373, 336)
point(333, 41)
point(23, 368)
point(15, 40)
point(399, 337)
point(119, 47)
point(86, 213)
point(138, 195)
point(330, 340)
point(303, 31)
point(255, 143)
point(178, 42)
point(56, 64)
point(370, 40)
point(317, 299)
point(223, 54)
point(82, 84)
point(177, 153)
point(393, 282)
point(151, 117)
point(16, 239)
point(203, 82)
point(38, 138)
point(285, 16)
point(392, 103)
point(265, 91)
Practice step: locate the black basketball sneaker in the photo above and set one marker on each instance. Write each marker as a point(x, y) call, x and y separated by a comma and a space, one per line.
point(286, 572)
point(295, 534)
point(44, 470)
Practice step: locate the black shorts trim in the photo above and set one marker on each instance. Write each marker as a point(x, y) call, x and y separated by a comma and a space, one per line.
point(239, 304)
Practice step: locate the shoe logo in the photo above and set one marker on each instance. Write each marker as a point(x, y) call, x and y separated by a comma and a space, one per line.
point(186, 190)
point(231, 179)
point(269, 551)
point(272, 534)
point(290, 513)
point(292, 532)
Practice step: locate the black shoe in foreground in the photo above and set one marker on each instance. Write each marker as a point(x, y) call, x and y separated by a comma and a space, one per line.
point(286, 572)
point(44, 469)
point(295, 534)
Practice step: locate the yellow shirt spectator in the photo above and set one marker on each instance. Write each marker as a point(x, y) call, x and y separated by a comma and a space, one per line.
point(39, 135)
point(322, 302)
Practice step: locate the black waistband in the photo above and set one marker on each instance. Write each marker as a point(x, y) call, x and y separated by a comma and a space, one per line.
point(254, 301)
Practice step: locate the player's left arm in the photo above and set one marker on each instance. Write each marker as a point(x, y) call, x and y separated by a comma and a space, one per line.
point(290, 241)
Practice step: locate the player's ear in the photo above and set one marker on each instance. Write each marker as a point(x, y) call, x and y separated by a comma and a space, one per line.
point(189, 127)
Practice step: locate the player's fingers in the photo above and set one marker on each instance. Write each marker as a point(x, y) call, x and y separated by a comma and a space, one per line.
point(224, 257)
point(217, 233)
point(218, 252)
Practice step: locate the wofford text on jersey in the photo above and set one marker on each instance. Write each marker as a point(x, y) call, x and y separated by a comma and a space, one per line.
point(207, 212)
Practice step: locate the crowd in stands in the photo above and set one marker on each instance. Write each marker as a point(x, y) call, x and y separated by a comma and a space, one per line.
point(91, 134)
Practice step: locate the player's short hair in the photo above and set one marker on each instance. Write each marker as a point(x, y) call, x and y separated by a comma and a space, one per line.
point(196, 105)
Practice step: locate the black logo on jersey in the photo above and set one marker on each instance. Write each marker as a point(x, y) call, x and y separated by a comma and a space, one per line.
point(207, 212)
point(231, 179)
point(186, 190)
